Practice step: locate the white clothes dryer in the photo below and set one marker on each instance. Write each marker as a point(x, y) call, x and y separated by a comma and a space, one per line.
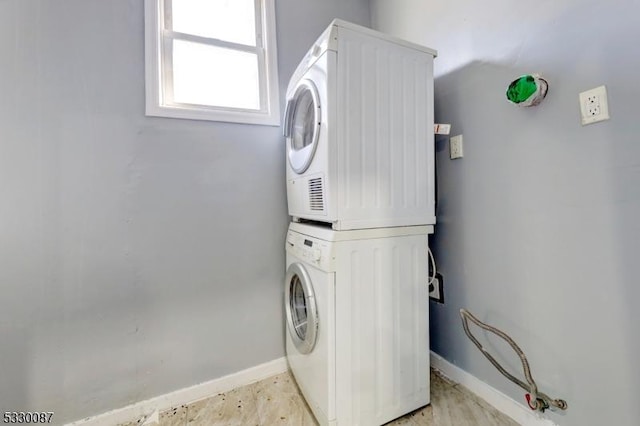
point(357, 321)
point(359, 131)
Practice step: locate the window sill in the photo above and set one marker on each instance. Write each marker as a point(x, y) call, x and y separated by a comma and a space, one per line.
point(209, 115)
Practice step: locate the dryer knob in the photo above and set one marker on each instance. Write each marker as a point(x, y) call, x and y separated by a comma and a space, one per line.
point(317, 255)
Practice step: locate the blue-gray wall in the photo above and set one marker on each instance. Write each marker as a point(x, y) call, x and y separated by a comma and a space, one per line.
point(137, 255)
point(539, 224)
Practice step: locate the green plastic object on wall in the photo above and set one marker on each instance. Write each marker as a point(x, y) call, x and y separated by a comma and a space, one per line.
point(527, 90)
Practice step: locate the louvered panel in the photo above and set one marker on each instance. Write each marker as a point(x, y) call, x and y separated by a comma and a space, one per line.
point(316, 195)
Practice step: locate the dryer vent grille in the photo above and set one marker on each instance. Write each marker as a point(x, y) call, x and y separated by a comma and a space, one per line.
point(316, 199)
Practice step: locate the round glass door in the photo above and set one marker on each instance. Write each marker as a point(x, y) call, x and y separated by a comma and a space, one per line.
point(302, 126)
point(300, 306)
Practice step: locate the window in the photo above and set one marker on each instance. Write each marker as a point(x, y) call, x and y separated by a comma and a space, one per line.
point(212, 60)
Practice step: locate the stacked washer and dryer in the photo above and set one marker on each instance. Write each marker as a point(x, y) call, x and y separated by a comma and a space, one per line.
point(360, 188)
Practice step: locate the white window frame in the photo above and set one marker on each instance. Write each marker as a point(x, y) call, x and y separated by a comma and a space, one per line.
point(158, 64)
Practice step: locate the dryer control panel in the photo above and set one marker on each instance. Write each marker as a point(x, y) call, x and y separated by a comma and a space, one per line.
point(310, 250)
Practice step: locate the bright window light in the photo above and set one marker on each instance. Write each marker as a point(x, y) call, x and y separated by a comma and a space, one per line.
point(210, 75)
point(212, 60)
point(228, 20)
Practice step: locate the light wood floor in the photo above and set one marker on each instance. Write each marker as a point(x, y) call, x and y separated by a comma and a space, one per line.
point(277, 401)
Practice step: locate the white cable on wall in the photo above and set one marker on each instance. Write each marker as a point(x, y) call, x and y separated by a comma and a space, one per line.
point(433, 264)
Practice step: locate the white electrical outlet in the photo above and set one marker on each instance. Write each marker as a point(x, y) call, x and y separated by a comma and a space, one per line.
point(455, 147)
point(594, 106)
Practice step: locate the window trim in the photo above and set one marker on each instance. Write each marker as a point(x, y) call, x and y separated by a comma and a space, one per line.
point(158, 44)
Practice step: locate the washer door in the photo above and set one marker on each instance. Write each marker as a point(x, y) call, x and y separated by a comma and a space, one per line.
point(302, 125)
point(300, 306)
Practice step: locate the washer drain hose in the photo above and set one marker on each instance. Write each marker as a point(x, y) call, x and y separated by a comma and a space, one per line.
point(536, 400)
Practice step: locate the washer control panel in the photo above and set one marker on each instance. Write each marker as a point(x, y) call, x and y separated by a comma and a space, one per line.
point(311, 250)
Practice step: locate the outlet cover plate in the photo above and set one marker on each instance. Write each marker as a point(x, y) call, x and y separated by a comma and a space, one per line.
point(455, 147)
point(436, 291)
point(594, 106)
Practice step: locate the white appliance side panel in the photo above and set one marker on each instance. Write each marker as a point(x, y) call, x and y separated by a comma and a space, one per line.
point(315, 372)
point(385, 134)
point(382, 329)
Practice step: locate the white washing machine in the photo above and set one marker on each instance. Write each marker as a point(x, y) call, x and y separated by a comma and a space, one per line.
point(357, 334)
point(359, 131)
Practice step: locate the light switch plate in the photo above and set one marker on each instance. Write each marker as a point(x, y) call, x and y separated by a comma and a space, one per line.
point(441, 129)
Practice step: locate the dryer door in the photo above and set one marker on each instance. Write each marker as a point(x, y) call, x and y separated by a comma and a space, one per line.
point(300, 306)
point(302, 125)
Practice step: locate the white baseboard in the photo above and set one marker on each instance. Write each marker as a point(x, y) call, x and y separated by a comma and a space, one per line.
point(186, 395)
point(518, 412)
point(505, 404)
